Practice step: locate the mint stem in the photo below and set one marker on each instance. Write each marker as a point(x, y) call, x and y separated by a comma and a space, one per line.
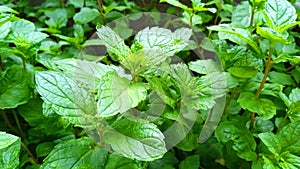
point(267, 70)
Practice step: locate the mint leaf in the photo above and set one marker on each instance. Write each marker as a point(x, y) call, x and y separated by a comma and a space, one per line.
point(271, 35)
point(243, 71)
point(85, 15)
point(237, 35)
point(265, 108)
point(289, 138)
point(281, 13)
point(26, 26)
point(191, 162)
point(57, 18)
point(159, 43)
point(271, 141)
point(137, 140)
point(113, 42)
point(117, 95)
point(10, 146)
point(14, 89)
point(89, 73)
point(243, 141)
point(72, 153)
point(115, 161)
point(177, 4)
point(289, 160)
point(69, 97)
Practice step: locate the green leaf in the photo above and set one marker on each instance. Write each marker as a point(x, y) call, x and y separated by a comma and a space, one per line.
point(115, 161)
point(137, 140)
point(295, 95)
point(237, 35)
point(204, 66)
point(271, 35)
point(241, 14)
point(10, 146)
point(265, 108)
point(89, 73)
point(65, 155)
point(26, 26)
point(243, 71)
point(289, 138)
point(113, 42)
point(68, 97)
point(5, 29)
point(85, 15)
point(271, 141)
point(281, 13)
point(57, 18)
point(160, 43)
point(15, 88)
point(35, 37)
point(281, 78)
point(77, 3)
point(117, 95)
point(177, 4)
point(263, 125)
point(289, 160)
point(190, 162)
point(168, 159)
point(243, 141)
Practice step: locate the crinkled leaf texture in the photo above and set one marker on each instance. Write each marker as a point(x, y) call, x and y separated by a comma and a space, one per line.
point(243, 141)
point(68, 97)
point(73, 153)
point(265, 108)
point(281, 14)
point(159, 43)
point(10, 146)
point(113, 42)
point(89, 73)
point(136, 139)
point(117, 95)
point(284, 146)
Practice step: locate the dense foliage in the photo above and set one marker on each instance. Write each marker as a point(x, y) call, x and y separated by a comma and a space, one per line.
point(137, 105)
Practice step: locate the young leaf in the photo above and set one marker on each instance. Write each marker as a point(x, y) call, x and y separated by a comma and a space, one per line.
point(72, 153)
point(159, 43)
point(237, 35)
point(243, 141)
point(10, 146)
point(271, 35)
point(57, 18)
point(113, 42)
point(136, 140)
point(264, 107)
point(281, 13)
point(271, 141)
point(117, 95)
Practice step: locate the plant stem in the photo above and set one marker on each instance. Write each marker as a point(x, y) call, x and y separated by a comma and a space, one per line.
point(228, 101)
point(191, 20)
point(292, 67)
point(34, 160)
point(18, 123)
point(100, 6)
point(267, 70)
point(24, 64)
point(252, 16)
point(1, 64)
